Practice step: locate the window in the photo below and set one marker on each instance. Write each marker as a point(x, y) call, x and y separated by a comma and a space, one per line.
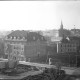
point(73, 50)
point(14, 57)
point(21, 53)
point(68, 50)
point(23, 38)
point(61, 50)
point(11, 57)
point(34, 38)
point(22, 47)
point(14, 52)
point(68, 45)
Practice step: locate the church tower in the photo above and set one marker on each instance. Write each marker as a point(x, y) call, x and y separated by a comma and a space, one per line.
point(61, 30)
point(61, 26)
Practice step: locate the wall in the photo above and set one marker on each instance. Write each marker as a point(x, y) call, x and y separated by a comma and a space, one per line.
point(34, 50)
point(66, 47)
point(31, 49)
point(12, 53)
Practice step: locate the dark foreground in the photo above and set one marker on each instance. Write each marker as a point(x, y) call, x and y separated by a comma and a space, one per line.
point(52, 74)
point(29, 71)
point(47, 74)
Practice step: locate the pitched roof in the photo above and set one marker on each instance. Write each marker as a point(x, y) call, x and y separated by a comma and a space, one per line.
point(74, 38)
point(29, 36)
point(33, 36)
point(70, 39)
point(18, 33)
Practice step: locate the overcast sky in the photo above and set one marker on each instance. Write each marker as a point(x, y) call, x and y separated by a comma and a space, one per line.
point(39, 15)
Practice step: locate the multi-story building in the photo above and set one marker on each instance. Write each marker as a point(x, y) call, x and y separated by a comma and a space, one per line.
point(24, 45)
point(68, 45)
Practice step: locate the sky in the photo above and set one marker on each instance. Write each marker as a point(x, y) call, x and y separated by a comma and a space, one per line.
point(39, 15)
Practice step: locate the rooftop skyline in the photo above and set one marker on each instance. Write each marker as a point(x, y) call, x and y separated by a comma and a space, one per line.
point(39, 15)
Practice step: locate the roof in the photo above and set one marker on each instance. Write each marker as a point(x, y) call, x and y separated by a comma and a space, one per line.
point(64, 40)
point(70, 39)
point(18, 33)
point(74, 38)
point(34, 36)
point(26, 35)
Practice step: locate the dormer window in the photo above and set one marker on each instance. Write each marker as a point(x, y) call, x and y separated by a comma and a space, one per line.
point(14, 37)
point(11, 37)
point(33, 37)
point(23, 38)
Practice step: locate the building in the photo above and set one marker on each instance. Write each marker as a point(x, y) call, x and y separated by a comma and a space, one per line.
point(68, 45)
point(63, 32)
point(75, 32)
point(51, 33)
point(24, 45)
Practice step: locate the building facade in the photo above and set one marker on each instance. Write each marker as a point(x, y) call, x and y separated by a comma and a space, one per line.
point(68, 45)
point(24, 45)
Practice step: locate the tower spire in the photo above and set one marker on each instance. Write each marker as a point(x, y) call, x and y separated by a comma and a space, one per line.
point(61, 25)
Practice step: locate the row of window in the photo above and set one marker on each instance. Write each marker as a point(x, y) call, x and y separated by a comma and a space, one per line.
point(23, 38)
point(68, 45)
point(14, 47)
point(68, 50)
point(12, 57)
point(17, 52)
point(18, 47)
